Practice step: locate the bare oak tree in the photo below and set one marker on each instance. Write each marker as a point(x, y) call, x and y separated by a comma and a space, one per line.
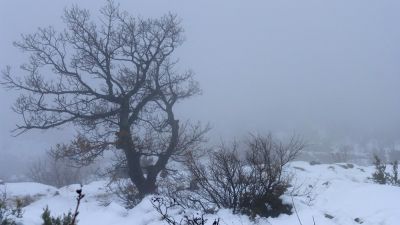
point(115, 80)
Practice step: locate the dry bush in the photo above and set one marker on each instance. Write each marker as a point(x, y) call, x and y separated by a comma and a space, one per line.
point(163, 205)
point(126, 191)
point(252, 184)
point(57, 172)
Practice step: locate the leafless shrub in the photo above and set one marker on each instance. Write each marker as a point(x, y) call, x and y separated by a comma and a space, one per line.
point(183, 188)
point(307, 191)
point(163, 205)
point(57, 172)
point(126, 192)
point(252, 185)
point(25, 200)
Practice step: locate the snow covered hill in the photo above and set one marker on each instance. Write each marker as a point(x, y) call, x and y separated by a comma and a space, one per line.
point(326, 193)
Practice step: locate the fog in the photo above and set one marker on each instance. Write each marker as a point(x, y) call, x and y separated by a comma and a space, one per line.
point(318, 68)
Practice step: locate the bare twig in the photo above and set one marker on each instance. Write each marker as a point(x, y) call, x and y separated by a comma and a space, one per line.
point(78, 202)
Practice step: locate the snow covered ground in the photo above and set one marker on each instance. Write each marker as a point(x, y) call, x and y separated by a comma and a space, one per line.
point(326, 193)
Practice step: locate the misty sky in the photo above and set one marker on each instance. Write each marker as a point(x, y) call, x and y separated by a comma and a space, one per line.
point(328, 67)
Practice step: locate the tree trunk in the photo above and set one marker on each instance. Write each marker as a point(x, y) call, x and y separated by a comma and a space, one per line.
point(125, 142)
point(145, 184)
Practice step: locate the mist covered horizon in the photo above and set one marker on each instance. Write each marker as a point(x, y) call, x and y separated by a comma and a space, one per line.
point(324, 70)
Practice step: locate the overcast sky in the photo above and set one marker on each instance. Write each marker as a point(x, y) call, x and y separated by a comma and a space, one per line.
point(331, 67)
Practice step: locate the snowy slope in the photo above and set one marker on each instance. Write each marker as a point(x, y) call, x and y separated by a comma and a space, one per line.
point(328, 194)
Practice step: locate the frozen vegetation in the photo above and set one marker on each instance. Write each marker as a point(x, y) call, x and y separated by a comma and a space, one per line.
point(324, 193)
